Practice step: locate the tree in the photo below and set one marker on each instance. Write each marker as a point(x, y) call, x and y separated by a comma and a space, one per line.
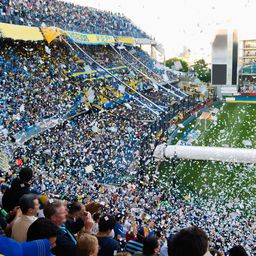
point(170, 63)
point(203, 72)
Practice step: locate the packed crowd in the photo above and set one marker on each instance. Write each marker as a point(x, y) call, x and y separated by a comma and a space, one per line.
point(135, 219)
point(54, 200)
point(67, 16)
point(247, 88)
point(41, 81)
point(139, 217)
point(33, 83)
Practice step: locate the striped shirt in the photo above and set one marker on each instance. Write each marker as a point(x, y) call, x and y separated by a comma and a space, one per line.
point(133, 246)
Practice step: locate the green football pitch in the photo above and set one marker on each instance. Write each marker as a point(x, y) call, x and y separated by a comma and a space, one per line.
point(234, 126)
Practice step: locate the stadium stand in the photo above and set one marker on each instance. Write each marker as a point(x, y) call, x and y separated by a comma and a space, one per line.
point(84, 120)
point(67, 16)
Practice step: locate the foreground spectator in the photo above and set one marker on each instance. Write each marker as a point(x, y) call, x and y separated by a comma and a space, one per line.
point(191, 241)
point(237, 250)
point(95, 228)
point(9, 247)
point(151, 247)
point(29, 206)
point(87, 245)
point(43, 228)
point(19, 187)
point(66, 241)
point(136, 245)
point(6, 228)
point(74, 209)
point(108, 246)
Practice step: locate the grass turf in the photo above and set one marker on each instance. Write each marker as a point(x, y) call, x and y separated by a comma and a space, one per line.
point(225, 181)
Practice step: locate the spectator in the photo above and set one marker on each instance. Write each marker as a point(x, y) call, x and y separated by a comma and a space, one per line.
point(108, 246)
point(75, 209)
point(5, 226)
point(131, 232)
point(68, 16)
point(43, 228)
point(19, 187)
point(87, 245)
point(95, 228)
point(66, 241)
point(43, 200)
point(29, 206)
point(151, 246)
point(9, 247)
point(3, 189)
point(191, 241)
point(136, 245)
point(119, 229)
point(237, 250)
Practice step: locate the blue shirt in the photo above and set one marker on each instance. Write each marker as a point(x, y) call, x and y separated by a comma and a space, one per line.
point(134, 246)
point(107, 246)
point(119, 230)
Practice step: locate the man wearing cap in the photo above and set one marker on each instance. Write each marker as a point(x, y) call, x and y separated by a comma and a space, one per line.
point(108, 246)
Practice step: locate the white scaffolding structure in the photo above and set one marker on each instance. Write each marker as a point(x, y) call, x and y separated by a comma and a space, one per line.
point(232, 155)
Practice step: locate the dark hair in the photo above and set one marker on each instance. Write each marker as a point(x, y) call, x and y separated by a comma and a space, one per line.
point(119, 217)
point(237, 250)
point(51, 208)
point(42, 228)
point(25, 174)
point(150, 243)
point(96, 216)
point(74, 207)
point(191, 241)
point(27, 202)
point(106, 222)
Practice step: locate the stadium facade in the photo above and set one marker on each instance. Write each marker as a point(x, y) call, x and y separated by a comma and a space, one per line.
point(225, 62)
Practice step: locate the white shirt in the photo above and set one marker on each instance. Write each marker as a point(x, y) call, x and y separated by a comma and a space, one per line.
point(20, 227)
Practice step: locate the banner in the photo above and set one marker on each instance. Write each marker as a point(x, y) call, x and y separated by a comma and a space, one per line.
point(26, 33)
point(126, 40)
point(87, 71)
point(96, 39)
point(51, 33)
point(144, 41)
point(17, 32)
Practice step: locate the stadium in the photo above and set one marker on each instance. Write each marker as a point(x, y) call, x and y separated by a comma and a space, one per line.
point(105, 150)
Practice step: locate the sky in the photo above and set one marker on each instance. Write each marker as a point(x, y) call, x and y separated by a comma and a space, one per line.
point(184, 23)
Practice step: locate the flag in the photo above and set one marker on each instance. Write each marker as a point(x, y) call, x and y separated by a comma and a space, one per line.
point(87, 69)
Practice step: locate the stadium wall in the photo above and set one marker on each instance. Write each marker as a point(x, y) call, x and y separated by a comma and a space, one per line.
point(191, 118)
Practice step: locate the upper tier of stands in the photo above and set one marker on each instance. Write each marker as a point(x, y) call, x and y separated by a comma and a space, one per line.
point(67, 16)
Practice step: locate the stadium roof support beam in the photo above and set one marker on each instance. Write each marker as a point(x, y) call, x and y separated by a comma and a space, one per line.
point(143, 74)
point(145, 66)
point(230, 155)
point(112, 75)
